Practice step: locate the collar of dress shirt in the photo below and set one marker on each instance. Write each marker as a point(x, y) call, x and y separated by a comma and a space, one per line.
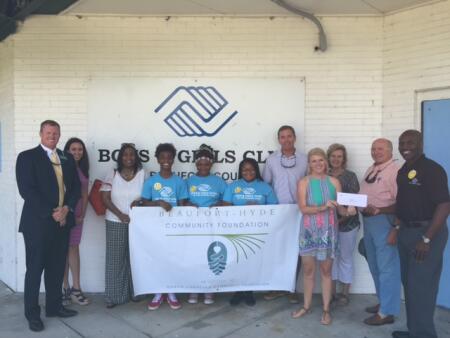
point(49, 151)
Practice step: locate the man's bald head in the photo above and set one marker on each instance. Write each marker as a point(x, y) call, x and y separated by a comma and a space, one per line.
point(410, 145)
point(381, 150)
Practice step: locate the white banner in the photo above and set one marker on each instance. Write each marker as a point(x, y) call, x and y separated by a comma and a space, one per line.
point(249, 248)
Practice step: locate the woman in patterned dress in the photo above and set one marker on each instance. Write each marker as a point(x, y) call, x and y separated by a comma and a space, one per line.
point(318, 229)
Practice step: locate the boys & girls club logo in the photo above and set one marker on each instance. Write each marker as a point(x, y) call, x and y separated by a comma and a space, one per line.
point(166, 192)
point(204, 188)
point(249, 191)
point(196, 111)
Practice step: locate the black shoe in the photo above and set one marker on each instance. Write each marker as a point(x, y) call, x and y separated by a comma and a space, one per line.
point(236, 299)
point(250, 299)
point(400, 334)
point(62, 313)
point(36, 325)
point(137, 299)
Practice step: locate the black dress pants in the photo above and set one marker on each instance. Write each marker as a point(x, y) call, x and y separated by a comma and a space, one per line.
point(421, 279)
point(46, 251)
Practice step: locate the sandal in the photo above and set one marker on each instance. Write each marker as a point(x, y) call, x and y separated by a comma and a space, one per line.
point(326, 318)
point(301, 312)
point(77, 297)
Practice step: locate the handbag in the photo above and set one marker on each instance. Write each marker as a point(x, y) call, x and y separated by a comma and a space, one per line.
point(95, 198)
point(362, 248)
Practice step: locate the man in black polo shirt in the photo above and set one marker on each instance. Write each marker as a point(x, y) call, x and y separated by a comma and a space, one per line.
point(422, 208)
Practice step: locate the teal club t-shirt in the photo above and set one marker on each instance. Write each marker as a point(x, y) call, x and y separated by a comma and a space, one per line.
point(170, 190)
point(205, 191)
point(241, 192)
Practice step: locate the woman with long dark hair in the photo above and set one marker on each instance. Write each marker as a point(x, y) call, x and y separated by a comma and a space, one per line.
point(76, 147)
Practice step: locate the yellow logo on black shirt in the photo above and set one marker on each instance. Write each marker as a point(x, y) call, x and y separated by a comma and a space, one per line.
point(412, 174)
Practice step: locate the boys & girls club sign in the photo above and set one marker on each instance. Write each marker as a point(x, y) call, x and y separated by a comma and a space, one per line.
point(238, 117)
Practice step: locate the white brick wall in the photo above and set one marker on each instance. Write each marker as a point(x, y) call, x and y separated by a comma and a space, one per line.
point(56, 56)
point(371, 61)
point(8, 222)
point(416, 57)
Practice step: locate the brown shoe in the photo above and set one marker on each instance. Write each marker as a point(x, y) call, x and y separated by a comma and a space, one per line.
point(373, 309)
point(271, 295)
point(376, 320)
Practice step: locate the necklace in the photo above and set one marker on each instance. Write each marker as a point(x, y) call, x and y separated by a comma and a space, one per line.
point(127, 175)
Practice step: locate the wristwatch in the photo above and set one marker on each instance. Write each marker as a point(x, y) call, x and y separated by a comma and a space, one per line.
point(426, 240)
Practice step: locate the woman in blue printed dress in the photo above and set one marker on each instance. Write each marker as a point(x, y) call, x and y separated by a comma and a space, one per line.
point(205, 190)
point(318, 229)
point(249, 189)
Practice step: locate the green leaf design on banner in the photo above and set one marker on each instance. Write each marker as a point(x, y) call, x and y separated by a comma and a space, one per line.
point(245, 243)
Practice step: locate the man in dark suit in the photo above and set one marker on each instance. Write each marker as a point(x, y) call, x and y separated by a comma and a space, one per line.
point(48, 182)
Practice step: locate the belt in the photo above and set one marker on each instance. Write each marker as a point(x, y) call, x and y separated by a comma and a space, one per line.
point(415, 224)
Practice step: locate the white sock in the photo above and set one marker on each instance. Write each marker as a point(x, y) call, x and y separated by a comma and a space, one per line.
point(172, 296)
point(381, 314)
point(157, 297)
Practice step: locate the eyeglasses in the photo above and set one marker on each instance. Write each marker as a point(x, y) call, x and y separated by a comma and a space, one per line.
point(288, 162)
point(375, 178)
point(372, 179)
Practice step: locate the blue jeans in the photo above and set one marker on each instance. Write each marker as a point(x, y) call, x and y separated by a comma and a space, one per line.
point(384, 263)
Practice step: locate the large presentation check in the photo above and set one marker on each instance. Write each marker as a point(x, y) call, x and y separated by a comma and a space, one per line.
point(214, 249)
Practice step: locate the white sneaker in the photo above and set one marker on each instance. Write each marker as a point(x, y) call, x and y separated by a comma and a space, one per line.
point(156, 302)
point(209, 299)
point(173, 301)
point(193, 298)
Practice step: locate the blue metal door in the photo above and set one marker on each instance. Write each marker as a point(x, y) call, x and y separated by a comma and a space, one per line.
point(436, 132)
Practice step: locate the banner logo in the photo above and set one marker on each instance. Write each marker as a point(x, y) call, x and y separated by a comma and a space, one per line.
point(217, 257)
point(196, 111)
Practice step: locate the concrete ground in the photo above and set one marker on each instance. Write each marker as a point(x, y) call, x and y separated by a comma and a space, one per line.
point(266, 319)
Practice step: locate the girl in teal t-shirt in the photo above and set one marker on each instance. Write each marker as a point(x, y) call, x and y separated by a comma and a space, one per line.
point(249, 189)
point(165, 190)
point(205, 190)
